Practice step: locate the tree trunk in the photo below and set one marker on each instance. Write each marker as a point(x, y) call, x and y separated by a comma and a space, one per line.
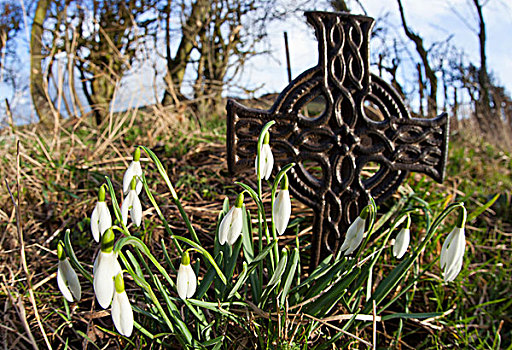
point(176, 66)
point(483, 77)
point(38, 87)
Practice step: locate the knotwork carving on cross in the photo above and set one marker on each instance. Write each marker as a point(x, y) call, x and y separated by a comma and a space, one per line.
point(344, 137)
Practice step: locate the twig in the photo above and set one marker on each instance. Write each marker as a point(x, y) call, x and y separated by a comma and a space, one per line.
point(374, 325)
point(338, 329)
point(20, 310)
point(22, 245)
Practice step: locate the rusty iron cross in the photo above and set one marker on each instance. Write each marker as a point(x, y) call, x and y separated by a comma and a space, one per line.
point(363, 121)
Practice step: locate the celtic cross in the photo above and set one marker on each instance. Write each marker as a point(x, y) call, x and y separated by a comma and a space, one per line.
point(362, 122)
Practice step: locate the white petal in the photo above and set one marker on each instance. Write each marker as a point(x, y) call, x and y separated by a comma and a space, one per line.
point(134, 169)
point(126, 206)
point(105, 221)
point(127, 178)
point(136, 211)
point(455, 255)
point(95, 265)
point(261, 161)
point(444, 249)
point(401, 243)
point(192, 282)
point(355, 235)
point(137, 170)
point(224, 226)
point(72, 279)
point(282, 211)
point(236, 226)
point(269, 162)
point(106, 269)
point(94, 223)
point(122, 314)
point(186, 281)
point(61, 282)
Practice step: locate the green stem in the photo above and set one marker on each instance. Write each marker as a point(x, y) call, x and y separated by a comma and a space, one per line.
point(160, 215)
point(174, 195)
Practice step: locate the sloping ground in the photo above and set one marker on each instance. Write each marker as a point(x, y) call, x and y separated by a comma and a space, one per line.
point(59, 174)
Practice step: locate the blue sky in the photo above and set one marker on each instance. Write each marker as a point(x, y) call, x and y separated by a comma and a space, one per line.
point(434, 20)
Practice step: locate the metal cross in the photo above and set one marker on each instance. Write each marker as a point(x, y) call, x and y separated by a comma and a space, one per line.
point(362, 122)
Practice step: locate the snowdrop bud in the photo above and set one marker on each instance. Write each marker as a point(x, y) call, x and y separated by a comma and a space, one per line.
point(132, 204)
point(401, 243)
point(282, 207)
point(100, 217)
point(134, 169)
point(122, 313)
point(231, 226)
point(452, 251)
point(186, 281)
point(105, 268)
point(67, 280)
point(266, 163)
point(355, 233)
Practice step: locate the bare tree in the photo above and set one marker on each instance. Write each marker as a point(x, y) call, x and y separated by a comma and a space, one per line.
point(228, 40)
point(424, 56)
point(176, 66)
point(108, 34)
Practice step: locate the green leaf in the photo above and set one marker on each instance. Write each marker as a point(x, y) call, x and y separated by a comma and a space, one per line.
point(207, 280)
point(483, 208)
point(278, 273)
point(320, 270)
point(263, 253)
point(115, 204)
point(319, 307)
point(247, 236)
point(290, 274)
point(241, 279)
point(72, 257)
point(231, 263)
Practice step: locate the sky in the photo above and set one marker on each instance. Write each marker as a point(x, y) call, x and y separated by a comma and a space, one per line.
point(434, 20)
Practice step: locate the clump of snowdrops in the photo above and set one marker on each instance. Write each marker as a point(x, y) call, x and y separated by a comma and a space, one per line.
point(248, 283)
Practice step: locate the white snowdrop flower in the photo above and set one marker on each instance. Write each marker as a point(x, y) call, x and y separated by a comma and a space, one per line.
point(134, 169)
point(186, 281)
point(231, 225)
point(122, 313)
point(452, 253)
point(132, 204)
point(355, 233)
point(266, 163)
point(401, 243)
point(67, 279)
point(282, 207)
point(100, 217)
point(106, 267)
